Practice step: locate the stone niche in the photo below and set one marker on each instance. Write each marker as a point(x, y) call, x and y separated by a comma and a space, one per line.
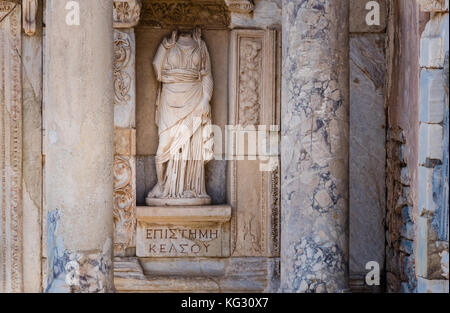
point(236, 238)
point(147, 41)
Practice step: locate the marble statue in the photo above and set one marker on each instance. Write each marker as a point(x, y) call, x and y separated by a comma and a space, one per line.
point(183, 116)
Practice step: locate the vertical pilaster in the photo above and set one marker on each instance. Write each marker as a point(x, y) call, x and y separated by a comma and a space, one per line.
point(314, 146)
point(11, 204)
point(78, 145)
point(126, 16)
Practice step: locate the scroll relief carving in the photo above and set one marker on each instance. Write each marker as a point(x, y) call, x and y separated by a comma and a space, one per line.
point(11, 251)
point(124, 202)
point(122, 56)
point(126, 13)
point(185, 13)
point(250, 80)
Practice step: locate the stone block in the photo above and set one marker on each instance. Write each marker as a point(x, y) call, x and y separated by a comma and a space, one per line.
point(432, 286)
point(431, 143)
point(408, 231)
point(429, 250)
point(407, 214)
point(432, 96)
point(423, 224)
point(362, 19)
point(434, 42)
point(196, 274)
point(407, 246)
point(425, 197)
point(404, 176)
point(183, 231)
point(409, 272)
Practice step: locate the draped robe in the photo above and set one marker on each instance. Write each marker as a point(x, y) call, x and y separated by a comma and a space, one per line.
point(184, 122)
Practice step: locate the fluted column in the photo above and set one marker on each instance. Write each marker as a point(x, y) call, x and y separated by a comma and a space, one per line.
point(314, 146)
point(78, 145)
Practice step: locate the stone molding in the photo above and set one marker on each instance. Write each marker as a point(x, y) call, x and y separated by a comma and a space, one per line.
point(223, 275)
point(11, 211)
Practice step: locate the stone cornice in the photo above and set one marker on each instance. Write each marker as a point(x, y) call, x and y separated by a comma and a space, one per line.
point(213, 14)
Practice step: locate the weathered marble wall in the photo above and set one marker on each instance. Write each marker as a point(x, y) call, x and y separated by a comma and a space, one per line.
point(402, 103)
point(314, 146)
point(78, 146)
point(432, 241)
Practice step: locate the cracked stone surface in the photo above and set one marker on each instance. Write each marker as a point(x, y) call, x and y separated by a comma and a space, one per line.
point(314, 146)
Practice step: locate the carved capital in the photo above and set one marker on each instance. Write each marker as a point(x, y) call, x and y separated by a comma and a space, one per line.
point(433, 5)
point(240, 6)
point(29, 15)
point(126, 13)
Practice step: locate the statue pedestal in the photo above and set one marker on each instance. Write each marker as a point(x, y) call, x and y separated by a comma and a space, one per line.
point(183, 231)
point(177, 202)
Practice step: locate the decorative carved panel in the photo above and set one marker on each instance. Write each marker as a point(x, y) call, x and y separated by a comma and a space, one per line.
point(11, 258)
point(124, 78)
point(124, 141)
point(185, 14)
point(124, 203)
point(253, 188)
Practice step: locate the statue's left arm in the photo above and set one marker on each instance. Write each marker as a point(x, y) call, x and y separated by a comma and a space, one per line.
point(207, 79)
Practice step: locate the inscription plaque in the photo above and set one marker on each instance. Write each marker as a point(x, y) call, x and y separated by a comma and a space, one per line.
point(183, 231)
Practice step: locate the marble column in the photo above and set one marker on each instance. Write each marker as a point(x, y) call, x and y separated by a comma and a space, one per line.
point(78, 145)
point(314, 146)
